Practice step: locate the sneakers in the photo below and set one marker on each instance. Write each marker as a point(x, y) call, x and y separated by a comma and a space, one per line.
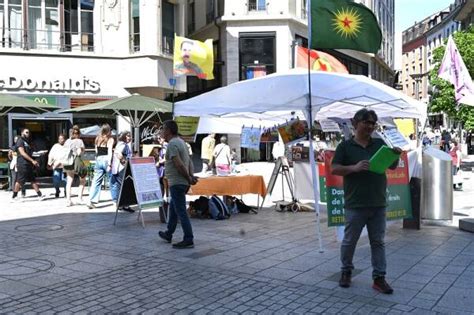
point(56, 195)
point(382, 286)
point(41, 198)
point(184, 244)
point(345, 280)
point(165, 236)
point(69, 203)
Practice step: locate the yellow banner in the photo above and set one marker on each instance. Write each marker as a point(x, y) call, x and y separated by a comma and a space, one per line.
point(187, 127)
point(192, 57)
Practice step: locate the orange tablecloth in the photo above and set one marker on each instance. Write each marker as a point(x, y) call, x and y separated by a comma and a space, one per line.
point(229, 185)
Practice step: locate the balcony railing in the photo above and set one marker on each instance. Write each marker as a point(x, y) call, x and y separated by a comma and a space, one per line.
point(34, 39)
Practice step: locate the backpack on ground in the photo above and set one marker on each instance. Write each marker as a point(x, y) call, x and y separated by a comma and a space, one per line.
point(199, 208)
point(242, 207)
point(218, 209)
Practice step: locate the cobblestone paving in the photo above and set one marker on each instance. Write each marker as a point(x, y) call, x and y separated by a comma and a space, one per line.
point(267, 263)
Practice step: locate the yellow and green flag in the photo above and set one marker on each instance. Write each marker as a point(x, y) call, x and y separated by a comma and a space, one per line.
point(343, 24)
point(192, 57)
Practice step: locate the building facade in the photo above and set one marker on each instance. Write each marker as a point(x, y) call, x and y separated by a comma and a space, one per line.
point(74, 52)
point(418, 44)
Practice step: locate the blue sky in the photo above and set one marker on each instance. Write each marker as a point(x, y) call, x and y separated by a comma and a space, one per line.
point(407, 12)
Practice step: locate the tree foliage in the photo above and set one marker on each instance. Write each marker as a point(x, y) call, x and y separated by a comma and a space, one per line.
point(443, 99)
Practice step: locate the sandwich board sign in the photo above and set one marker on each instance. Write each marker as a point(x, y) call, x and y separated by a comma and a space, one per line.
point(140, 186)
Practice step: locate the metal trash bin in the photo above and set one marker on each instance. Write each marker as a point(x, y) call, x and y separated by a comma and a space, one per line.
point(437, 185)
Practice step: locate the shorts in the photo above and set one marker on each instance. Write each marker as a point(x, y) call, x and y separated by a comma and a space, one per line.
point(25, 174)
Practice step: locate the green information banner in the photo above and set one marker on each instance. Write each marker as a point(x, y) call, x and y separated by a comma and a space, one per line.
point(398, 192)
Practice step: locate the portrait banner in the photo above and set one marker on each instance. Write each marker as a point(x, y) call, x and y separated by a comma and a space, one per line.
point(193, 58)
point(187, 127)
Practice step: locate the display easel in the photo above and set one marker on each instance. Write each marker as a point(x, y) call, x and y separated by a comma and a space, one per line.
point(282, 169)
point(140, 186)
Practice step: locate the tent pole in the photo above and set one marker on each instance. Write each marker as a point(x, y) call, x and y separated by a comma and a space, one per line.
point(312, 162)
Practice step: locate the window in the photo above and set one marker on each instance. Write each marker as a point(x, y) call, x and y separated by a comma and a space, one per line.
point(135, 25)
point(257, 5)
point(15, 24)
point(191, 18)
point(209, 11)
point(167, 27)
point(304, 12)
point(79, 25)
point(301, 41)
point(257, 54)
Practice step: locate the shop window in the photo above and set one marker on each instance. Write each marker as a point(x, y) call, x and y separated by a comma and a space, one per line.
point(301, 41)
point(168, 30)
point(135, 10)
point(257, 55)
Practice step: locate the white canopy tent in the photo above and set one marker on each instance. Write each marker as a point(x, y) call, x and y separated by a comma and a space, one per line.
point(282, 95)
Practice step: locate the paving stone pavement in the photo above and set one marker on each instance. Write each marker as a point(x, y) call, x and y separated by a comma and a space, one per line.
point(58, 260)
point(267, 263)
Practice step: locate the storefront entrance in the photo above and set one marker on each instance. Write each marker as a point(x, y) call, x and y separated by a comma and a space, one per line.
point(44, 132)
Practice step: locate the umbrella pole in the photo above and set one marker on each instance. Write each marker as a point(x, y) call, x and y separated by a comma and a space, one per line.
point(136, 138)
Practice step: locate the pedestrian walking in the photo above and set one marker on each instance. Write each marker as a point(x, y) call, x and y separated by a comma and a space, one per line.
point(55, 154)
point(13, 159)
point(207, 149)
point(103, 147)
point(222, 157)
point(179, 172)
point(364, 198)
point(76, 146)
point(122, 153)
point(26, 165)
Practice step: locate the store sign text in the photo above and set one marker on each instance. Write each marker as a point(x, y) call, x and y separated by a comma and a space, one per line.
point(68, 85)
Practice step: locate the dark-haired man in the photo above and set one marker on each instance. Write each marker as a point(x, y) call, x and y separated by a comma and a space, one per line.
point(179, 172)
point(364, 198)
point(187, 67)
point(25, 165)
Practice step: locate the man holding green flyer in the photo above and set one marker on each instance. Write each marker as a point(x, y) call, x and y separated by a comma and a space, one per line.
point(364, 195)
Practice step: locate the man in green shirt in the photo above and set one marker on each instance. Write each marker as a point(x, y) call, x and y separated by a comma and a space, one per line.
point(179, 172)
point(364, 198)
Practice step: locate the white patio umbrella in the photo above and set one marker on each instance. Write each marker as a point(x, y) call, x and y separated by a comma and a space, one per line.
point(283, 94)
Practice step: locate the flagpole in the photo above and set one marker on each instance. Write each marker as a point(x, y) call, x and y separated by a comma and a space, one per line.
point(312, 162)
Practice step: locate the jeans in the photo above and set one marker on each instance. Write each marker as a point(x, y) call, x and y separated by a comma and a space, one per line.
point(177, 208)
point(356, 219)
point(100, 169)
point(58, 179)
point(116, 181)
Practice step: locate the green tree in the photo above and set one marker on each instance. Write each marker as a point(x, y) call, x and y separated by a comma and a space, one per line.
point(443, 99)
